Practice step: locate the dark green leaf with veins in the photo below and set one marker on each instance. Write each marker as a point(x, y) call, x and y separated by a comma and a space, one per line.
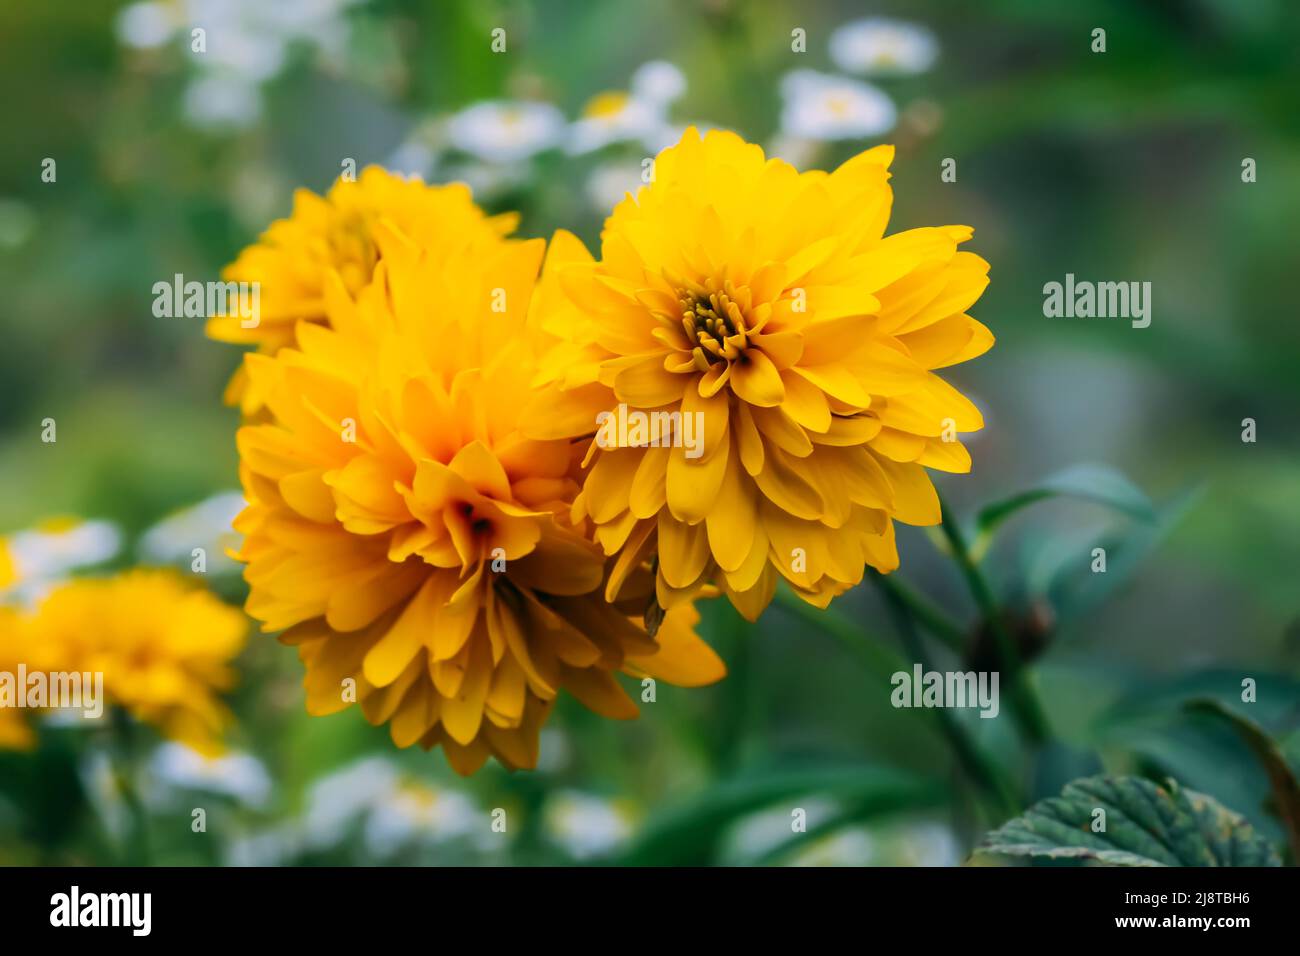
point(1145, 825)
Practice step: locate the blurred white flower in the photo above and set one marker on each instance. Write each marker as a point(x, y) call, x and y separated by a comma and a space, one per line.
point(640, 115)
point(819, 106)
point(659, 82)
point(145, 26)
point(668, 134)
point(609, 183)
point(487, 181)
point(500, 131)
point(275, 846)
point(320, 22)
point(905, 844)
point(256, 23)
point(245, 51)
point(879, 45)
point(412, 159)
point(222, 100)
point(587, 826)
point(845, 847)
point(798, 152)
point(391, 809)
point(612, 117)
point(175, 767)
point(206, 525)
point(42, 556)
point(416, 812)
point(760, 833)
point(244, 44)
point(340, 799)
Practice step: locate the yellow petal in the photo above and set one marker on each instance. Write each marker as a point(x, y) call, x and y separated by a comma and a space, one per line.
point(683, 551)
point(756, 380)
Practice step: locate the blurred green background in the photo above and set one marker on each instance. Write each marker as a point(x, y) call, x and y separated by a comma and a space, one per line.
point(1123, 165)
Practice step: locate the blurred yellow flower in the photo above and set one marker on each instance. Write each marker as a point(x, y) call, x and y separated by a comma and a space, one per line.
point(336, 233)
point(768, 310)
point(410, 541)
point(14, 731)
point(163, 645)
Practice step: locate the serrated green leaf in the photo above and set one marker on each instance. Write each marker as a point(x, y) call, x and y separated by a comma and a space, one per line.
point(1145, 825)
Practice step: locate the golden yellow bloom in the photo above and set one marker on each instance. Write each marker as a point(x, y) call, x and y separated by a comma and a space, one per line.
point(769, 307)
point(336, 233)
point(163, 645)
point(15, 734)
point(410, 541)
point(8, 573)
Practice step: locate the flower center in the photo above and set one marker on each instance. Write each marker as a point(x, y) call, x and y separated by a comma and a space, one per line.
point(354, 252)
point(715, 327)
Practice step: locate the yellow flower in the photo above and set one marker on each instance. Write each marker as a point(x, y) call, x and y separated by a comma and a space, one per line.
point(769, 307)
point(336, 233)
point(14, 732)
point(163, 645)
point(8, 572)
point(410, 541)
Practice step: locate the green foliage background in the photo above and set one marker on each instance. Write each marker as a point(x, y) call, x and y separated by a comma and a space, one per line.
point(1123, 165)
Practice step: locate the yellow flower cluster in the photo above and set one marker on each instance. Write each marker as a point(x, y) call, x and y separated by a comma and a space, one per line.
point(163, 646)
point(472, 486)
point(335, 234)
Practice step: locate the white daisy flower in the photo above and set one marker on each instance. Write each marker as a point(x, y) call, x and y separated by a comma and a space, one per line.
point(609, 183)
point(614, 117)
point(639, 115)
point(145, 26)
point(392, 810)
point(413, 159)
point(40, 557)
point(275, 846)
point(500, 131)
point(658, 82)
point(339, 799)
point(415, 812)
point(587, 826)
point(176, 767)
point(820, 106)
point(222, 101)
point(206, 525)
point(882, 46)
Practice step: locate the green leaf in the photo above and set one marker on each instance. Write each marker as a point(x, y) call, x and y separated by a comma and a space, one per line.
point(1281, 775)
point(1146, 825)
point(1089, 482)
point(1065, 580)
point(688, 835)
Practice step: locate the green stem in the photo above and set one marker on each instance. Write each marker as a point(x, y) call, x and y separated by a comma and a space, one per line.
point(930, 617)
point(1025, 704)
point(874, 653)
point(135, 850)
point(977, 764)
